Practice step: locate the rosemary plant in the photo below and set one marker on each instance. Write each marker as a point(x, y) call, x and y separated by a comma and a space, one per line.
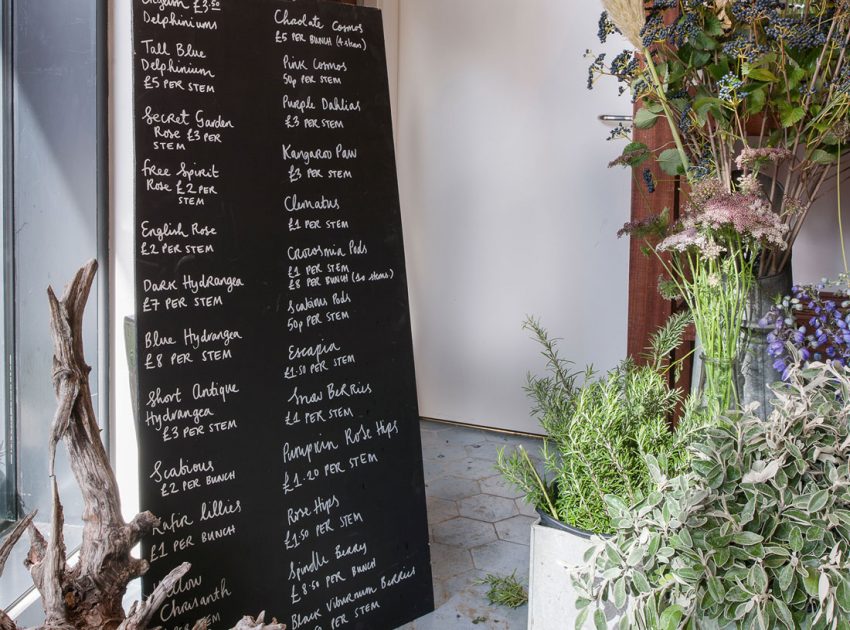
point(598, 431)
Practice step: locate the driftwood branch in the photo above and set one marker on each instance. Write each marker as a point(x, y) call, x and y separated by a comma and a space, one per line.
point(140, 614)
point(12, 539)
point(88, 595)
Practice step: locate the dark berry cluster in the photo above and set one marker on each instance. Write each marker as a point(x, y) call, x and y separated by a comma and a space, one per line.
point(745, 48)
point(639, 87)
point(729, 87)
point(675, 34)
point(623, 66)
point(750, 11)
point(649, 180)
point(685, 121)
point(701, 168)
point(606, 27)
point(798, 33)
point(596, 67)
point(620, 131)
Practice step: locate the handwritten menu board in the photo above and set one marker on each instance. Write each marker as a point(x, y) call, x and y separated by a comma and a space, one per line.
point(278, 428)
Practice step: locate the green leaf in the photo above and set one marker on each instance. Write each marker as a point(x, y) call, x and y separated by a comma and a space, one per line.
point(756, 101)
point(783, 614)
point(671, 617)
point(655, 107)
point(716, 589)
point(747, 538)
point(757, 579)
point(620, 593)
point(815, 533)
point(790, 115)
point(786, 574)
point(640, 582)
point(599, 620)
point(762, 74)
point(671, 162)
point(811, 581)
point(737, 594)
point(795, 75)
point(819, 156)
point(654, 544)
point(645, 119)
point(700, 58)
point(795, 539)
point(636, 555)
point(713, 25)
point(842, 594)
point(616, 504)
point(818, 501)
point(582, 618)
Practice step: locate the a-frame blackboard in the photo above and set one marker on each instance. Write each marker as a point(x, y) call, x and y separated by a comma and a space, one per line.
point(278, 427)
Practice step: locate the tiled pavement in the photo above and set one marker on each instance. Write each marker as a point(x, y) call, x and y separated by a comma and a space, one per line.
point(478, 526)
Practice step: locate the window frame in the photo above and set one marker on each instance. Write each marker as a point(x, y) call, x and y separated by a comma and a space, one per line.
point(9, 398)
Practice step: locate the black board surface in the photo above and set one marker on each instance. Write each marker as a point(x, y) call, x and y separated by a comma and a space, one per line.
point(278, 424)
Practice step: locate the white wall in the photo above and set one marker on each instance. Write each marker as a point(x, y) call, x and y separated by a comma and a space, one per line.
point(817, 253)
point(507, 203)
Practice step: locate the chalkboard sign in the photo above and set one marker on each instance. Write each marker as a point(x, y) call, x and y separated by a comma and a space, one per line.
point(278, 422)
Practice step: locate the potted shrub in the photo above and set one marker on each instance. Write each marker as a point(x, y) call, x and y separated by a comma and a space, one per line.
point(598, 433)
point(757, 535)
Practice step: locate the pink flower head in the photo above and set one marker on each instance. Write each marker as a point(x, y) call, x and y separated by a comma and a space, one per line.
point(750, 215)
point(751, 156)
point(690, 238)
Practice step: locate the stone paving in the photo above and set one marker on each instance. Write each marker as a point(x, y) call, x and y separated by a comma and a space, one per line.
point(478, 526)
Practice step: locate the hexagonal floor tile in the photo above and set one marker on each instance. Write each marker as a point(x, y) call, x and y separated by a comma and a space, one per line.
point(432, 470)
point(487, 450)
point(516, 529)
point(503, 558)
point(485, 507)
point(467, 583)
point(442, 452)
point(448, 561)
point(526, 509)
point(452, 488)
point(470, 468)
point(440, 510)
point(464, 532)
point(463, 436)
point(497, 486)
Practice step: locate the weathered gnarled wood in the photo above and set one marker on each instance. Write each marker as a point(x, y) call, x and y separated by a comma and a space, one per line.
point(88, 595)
point(5, 549)
point(12, 539)
point(140, 614)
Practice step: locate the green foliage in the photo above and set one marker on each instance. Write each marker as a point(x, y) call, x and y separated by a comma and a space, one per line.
point(727, 75)
point(598, 432)
point(757, 535)
point(505, 591)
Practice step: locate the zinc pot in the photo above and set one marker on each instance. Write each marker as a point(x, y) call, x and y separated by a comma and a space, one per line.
point(555, 546)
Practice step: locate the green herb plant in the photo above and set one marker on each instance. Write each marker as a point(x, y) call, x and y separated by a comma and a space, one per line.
point(598, 431)
point(505, 590)
point(757, 535)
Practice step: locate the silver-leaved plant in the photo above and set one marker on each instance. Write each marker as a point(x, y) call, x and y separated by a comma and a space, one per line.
point(757, 535)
